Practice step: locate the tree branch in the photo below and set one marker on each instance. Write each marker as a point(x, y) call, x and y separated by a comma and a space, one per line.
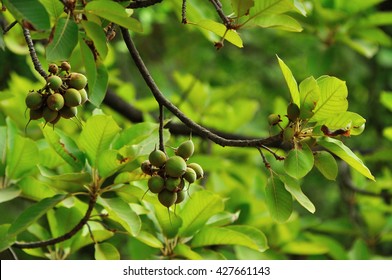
point(274, 141)
point(136, 4)
point(33, 54)
point(218, 7)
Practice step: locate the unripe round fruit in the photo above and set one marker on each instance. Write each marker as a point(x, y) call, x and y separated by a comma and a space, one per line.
point(288, 134)
point(34, 100)
point(157, 158)
point(49, 115)
point(180, 197)
point(56, 119)
point(167, 198)
point(175, 166)
point(54, 82)
point(53, 68)
point(156, 184)
point(72, 97)
point(65, 66)
point(83, 95)
point(68, 112)
point(186, 149)
point(36, 114)
point(198, 169)
point(55, 101)
point(190, 175)
point(171, 184)
point(77, 81)
point(146, 167)
point(293, 111)
point(274, 119)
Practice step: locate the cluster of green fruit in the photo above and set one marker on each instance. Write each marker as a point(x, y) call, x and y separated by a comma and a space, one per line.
point(59, 98)
point(168, 174)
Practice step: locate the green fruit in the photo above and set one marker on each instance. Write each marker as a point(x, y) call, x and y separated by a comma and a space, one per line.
point(36, 114)
point(167, 198)
point(180, 197)
point(288, 134)
point(68, 112)
point(185, 150)
point(146, 167)
point(157, 158)
point(49, 115)
point(84, 95)
point(293, 111)
point(198, 169)
point(34, 100)
point(156, 184)
point(55, 101)
point(77, 81)
point(56, 119)
point(175, 166)
point(65, 66)
point(53, 68)
point(54, 82)
point(72, 97)
point(274, 119)
point(190, 175)
point(171, 184)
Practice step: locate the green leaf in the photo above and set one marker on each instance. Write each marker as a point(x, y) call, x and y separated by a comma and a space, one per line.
point(282, 22)
point(241, 7)
point(64, 40)
point(185, 251)
point(3, 149)
point(221, 30)
point(326, 164)
point(109, 162)
point(299, 162)
point(198, 209)
point(336, 250)
point(65, 147)
point(386, 99)
point(33, 213)
point(9, 193)
point(376, 19)
point(294, 187)
point(149, 239)
point(98, 37)
point(97, 135)
point(54, 8)
point(304, 248)
point(291, 82)
point(271, 7)
point(22, 157)
point(106, 251)
point(168, 221)
point(333, 98)
point(121, 212)
point(347, 121)
point(223, 218)
point(309, 93)
point(338, 148)
point(113, 12)
point(364, 47)
point(30, 13)
point(233, 235)
point(5, 239)
point(279, 200)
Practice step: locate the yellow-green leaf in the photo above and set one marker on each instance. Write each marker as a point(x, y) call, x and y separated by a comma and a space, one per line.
point(299, 162)
point(106, 251)
point(279, 200)
point(291, 82)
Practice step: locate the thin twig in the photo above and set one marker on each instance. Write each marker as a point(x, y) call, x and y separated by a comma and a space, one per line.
point(33, 54)
point(183, 12)
point(143, 3)
point(274, 141)
point(265, 161)
point(161, 119)
point(218, 7)
point(9, 27)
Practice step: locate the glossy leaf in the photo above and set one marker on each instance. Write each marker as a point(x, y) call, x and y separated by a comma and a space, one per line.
point(97, 135)
point(109, 162)
point(346, 121)
point(185, 251)
point(294, 187)
point(299, 162)
point(6, 240)
point(22, 157)
point(122, 213)
point(326, 164)
point(269, 7)
point(113, 12)
point(197, 210)
point(149, 239)
point(9, 193)
point(232, 235)
point(106, 251)
point(282, 22)
point(338, 148)
point(33, 213)
point(309, 93)
point(279, 200)
point(64, 40)
point(333, 98)
point(291, 82)
point(221, 30)
point(30, 13)
point(97, 35)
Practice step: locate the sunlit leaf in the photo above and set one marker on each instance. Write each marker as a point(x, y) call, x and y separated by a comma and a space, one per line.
point(335, 248)
point(98, 37)
point(33, 213)
point(109, 162)
point(54, 8)
point(326, 164)
point(309, 93)
point(64, 40)
point(299, 162)
point(304, 248)
point(386, 99)
point(185, 251)
point(241, 7)
point(293, 186)
point(346, 121)
point(9, 193)
point(169, 223)
point(278, 199)
point(106, 251)
point(149, 239)
point(338, 148)
point(282, 22)
point(291, 82)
